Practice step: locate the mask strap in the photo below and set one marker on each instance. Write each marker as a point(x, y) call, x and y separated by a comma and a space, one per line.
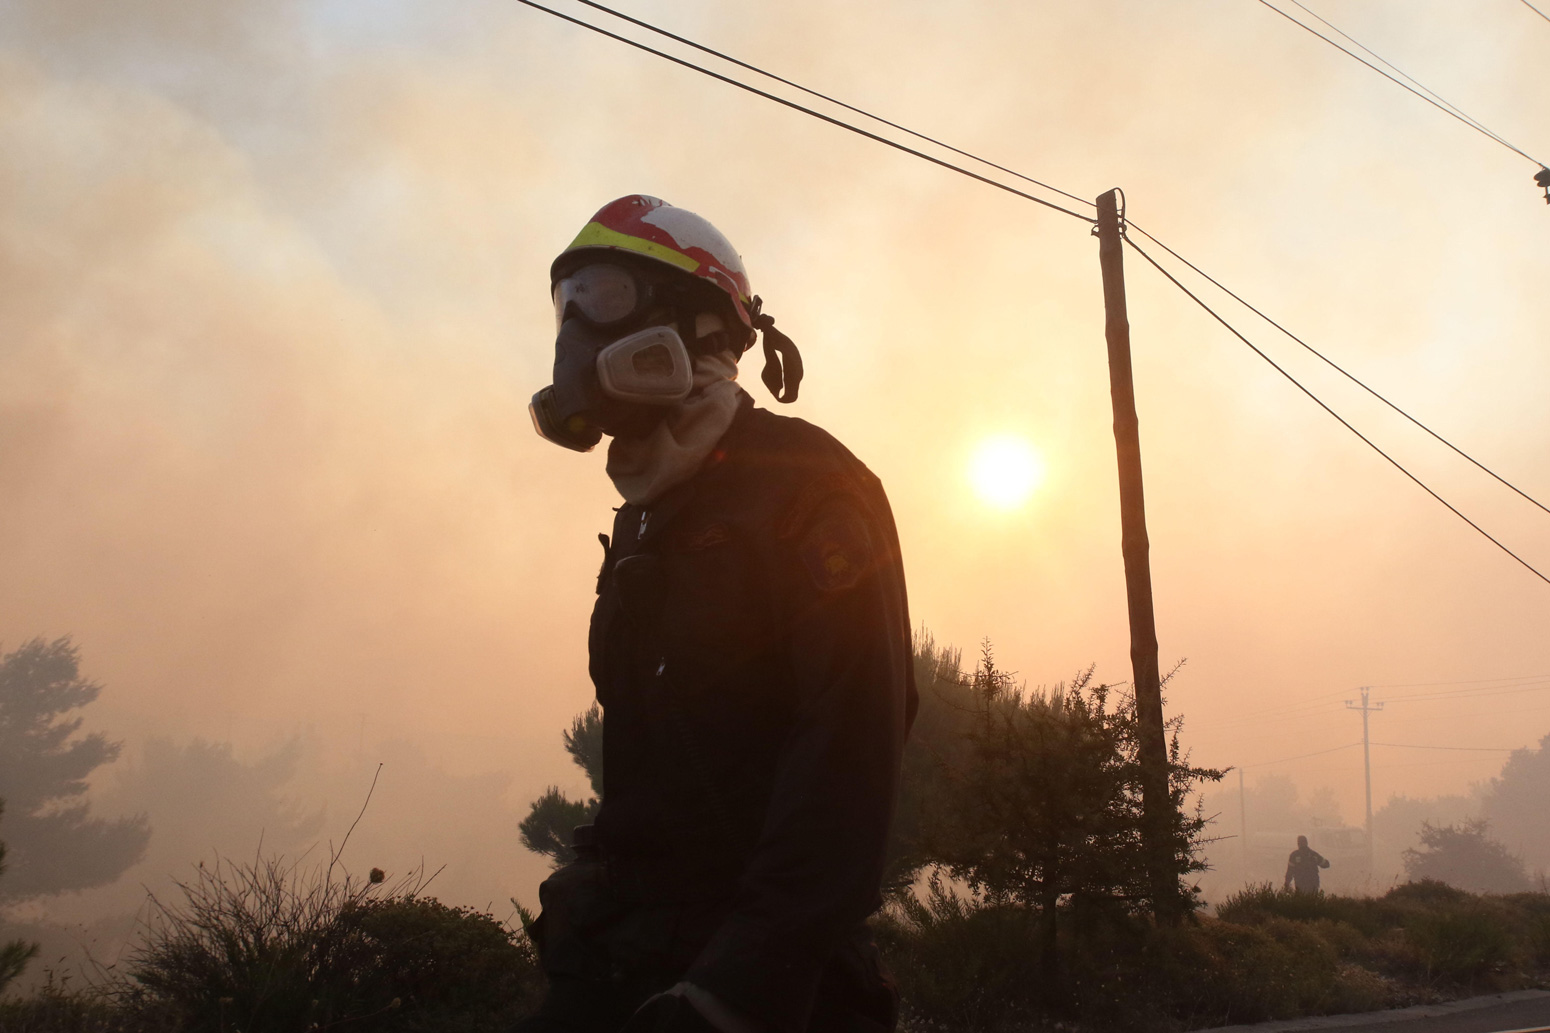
point(782, 362)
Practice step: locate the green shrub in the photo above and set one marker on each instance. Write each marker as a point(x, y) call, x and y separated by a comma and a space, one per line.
point(1346, 939)
point(1247, 973)
point(1528, 916)
point(1427, 893)
point(1254, 905)
point(971, 963)
point(1359, 989)
point(450, 968)
point(967, 965)
point(1537, 942)
point(962, 965)
point(1459, 945)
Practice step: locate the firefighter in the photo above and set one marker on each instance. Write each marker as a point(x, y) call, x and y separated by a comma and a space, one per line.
point(750, 648)
point(1302, 867)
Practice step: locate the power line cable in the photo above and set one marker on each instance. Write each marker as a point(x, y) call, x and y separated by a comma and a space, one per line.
point(1480, 694)
point(1342, 370)
point(1470, 681)
point(1283, 712)
point(832, 100)
point(841, 123)
point(1461, 749)
point(1320, 403)
point(1433, 94)
point(1536, 10)
point(1317, 704)
point(1247, 724)
point(1436, 103)
point(1300, 756)
point(1455, 697)
point(1473, 688)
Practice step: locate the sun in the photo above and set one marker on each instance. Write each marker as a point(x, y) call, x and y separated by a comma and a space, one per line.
point(1005, 470)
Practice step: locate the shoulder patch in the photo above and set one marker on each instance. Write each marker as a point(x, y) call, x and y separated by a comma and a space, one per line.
point(837, 550)
point(813, 495)
point(707, 536)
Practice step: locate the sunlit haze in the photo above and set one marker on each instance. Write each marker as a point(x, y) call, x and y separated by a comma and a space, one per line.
point(1004, 471)
point(274, 297)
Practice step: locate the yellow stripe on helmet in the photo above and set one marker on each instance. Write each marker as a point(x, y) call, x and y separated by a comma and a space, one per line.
point(595, 234)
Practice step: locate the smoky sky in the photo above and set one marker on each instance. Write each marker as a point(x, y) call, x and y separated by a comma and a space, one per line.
point(273, 299)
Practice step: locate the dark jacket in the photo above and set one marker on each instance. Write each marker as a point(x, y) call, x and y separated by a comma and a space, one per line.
point(1302, 868)
point(751, 650)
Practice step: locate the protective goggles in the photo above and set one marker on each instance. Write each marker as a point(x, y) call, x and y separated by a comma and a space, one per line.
point(607, 295)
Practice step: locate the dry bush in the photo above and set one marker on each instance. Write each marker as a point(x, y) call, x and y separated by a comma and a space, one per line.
point(273, 946)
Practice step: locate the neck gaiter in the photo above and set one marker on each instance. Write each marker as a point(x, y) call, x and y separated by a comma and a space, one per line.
point(643, 468)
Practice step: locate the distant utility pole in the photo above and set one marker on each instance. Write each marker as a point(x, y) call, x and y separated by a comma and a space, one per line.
point(1366, 708)
point(1152, 745)
point(1243, 829)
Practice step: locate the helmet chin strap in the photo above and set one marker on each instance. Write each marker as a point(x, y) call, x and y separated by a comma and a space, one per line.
point(782, 372)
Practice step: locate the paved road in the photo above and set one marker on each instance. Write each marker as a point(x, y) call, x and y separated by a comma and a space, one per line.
point(1523, 1010)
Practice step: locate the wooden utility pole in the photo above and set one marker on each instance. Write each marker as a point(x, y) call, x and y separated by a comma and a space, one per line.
point(1366, 707)
point(1152, 747)
point(1243, 830)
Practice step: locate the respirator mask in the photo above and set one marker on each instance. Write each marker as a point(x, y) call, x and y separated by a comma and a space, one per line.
point(611, 370)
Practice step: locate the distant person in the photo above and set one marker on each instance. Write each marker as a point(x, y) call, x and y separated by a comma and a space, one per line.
point(1302, 867)
point(750, 647)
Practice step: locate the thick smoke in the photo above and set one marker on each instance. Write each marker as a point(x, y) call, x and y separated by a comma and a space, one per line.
point(272, 300)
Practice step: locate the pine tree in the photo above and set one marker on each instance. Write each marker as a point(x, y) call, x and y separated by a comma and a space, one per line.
point(1514, 803)
point(57, 845)
point(937, 745)
point(14, 954)
point(1045, 805)
point(547, 827)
